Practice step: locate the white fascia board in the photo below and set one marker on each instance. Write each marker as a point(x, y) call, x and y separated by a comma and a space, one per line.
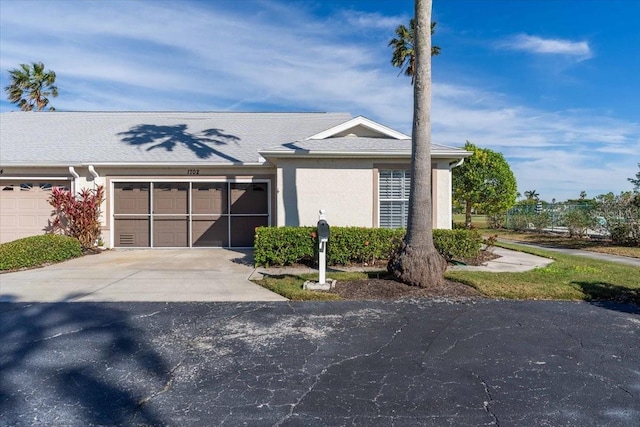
point(335, 154)
point(130, 164)
point(360, 121)
point(174, 165)
point(453, 155)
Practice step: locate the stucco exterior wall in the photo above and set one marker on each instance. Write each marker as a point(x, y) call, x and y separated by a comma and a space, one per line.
point(343, 187)
point(346, 188)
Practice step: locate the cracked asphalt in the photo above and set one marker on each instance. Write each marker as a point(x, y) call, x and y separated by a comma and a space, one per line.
point(432, 363)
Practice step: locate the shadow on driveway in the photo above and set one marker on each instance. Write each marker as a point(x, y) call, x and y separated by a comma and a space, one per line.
point(79, 357)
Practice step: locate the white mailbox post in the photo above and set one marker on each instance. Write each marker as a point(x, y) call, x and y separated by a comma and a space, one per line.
point(323, 283)
point(323, 238)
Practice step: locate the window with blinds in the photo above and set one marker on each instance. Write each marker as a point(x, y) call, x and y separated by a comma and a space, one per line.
point(393, 197)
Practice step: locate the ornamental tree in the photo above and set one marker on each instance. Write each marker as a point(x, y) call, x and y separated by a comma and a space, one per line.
point(484, 182)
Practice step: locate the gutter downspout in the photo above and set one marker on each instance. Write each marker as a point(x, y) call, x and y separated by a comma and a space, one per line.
point(455, 165)
point(95, 175)
point(93, 172)
point(76, 177)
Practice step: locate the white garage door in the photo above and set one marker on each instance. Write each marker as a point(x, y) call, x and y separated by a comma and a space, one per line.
point(24, 208)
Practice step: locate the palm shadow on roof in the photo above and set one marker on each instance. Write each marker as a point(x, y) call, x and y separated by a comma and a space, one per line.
point(201, 143)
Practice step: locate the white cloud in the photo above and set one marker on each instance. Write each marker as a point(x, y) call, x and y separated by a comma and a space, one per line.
point(184, 56)
point(373, 20)
point(535, 44)
point(557, 153)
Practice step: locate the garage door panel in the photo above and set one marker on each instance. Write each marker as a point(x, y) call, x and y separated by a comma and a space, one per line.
point(8, 221)
point(209, 198)
point(243, 230)
point(27, 221)
point(7, 202)
point(170, 232)
point(131, 232)
point(131, 198)
point(249, 198)
point(170, 198)
point(210, 231)
point(27, 204)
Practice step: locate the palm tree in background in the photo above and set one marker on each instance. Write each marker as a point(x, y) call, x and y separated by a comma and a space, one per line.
point(31, 86)
point(403, 48)
point(532, 195)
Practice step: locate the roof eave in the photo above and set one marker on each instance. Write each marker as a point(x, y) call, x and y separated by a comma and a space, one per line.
point(457, 154)
point(131, 164)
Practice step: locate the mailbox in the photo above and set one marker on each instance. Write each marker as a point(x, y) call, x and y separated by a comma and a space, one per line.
point(323, 231)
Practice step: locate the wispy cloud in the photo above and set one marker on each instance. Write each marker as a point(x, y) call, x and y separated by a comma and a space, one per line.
point(192, 57)
point(554, 152)
point(373, 20)
point(535, 44)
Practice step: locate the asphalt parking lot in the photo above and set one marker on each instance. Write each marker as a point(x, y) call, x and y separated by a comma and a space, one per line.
point(434, 363)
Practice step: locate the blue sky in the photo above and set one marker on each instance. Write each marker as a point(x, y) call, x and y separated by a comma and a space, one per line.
point(553, 85)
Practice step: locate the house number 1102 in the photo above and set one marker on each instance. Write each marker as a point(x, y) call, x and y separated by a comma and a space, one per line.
point(193, 171)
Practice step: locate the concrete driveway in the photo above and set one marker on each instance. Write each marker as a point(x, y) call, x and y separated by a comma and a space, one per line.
point(141, 275)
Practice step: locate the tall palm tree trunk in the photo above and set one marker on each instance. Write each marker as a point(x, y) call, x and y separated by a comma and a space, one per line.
point(417, 262)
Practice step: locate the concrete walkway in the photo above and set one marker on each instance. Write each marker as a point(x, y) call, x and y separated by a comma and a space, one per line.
point(141, 275)
point(508, 261)
point(586, 254)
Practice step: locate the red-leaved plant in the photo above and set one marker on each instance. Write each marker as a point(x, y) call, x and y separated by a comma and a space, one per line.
point(77, 215)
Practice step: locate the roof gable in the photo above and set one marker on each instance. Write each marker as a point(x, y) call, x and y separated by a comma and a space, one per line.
point(362, 127)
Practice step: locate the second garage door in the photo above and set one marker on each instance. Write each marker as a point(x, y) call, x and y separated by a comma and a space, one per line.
point(189, 214)
point(24, 207)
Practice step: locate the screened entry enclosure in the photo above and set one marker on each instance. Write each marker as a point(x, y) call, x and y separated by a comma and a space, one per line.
point(189, 214)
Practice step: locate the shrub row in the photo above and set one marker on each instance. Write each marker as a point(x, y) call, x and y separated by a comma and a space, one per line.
point(351, 245)
point(38, 250)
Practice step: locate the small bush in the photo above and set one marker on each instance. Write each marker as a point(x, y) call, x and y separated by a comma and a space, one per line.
point(456, 244)
point(541, 221)
point(35, 251)
point(520, 221)
point(359, 245)
point(284, 245)
point(497, 220)
point(626, 234)
point(78, 215)
point(578, 222)
point(351, 245)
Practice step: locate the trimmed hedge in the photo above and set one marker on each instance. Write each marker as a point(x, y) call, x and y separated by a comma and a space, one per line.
point(351, 245)
point(35, 251)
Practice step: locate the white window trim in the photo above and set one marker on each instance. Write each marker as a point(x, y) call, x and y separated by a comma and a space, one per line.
point(380, 199)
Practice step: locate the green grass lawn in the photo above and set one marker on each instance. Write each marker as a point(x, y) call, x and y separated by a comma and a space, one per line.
point(568, 278)
point(478, 221)
point(290, 285)
point(560, 241)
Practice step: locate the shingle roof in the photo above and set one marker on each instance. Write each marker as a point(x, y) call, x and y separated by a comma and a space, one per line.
point(151, 137)
point(71, 138)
